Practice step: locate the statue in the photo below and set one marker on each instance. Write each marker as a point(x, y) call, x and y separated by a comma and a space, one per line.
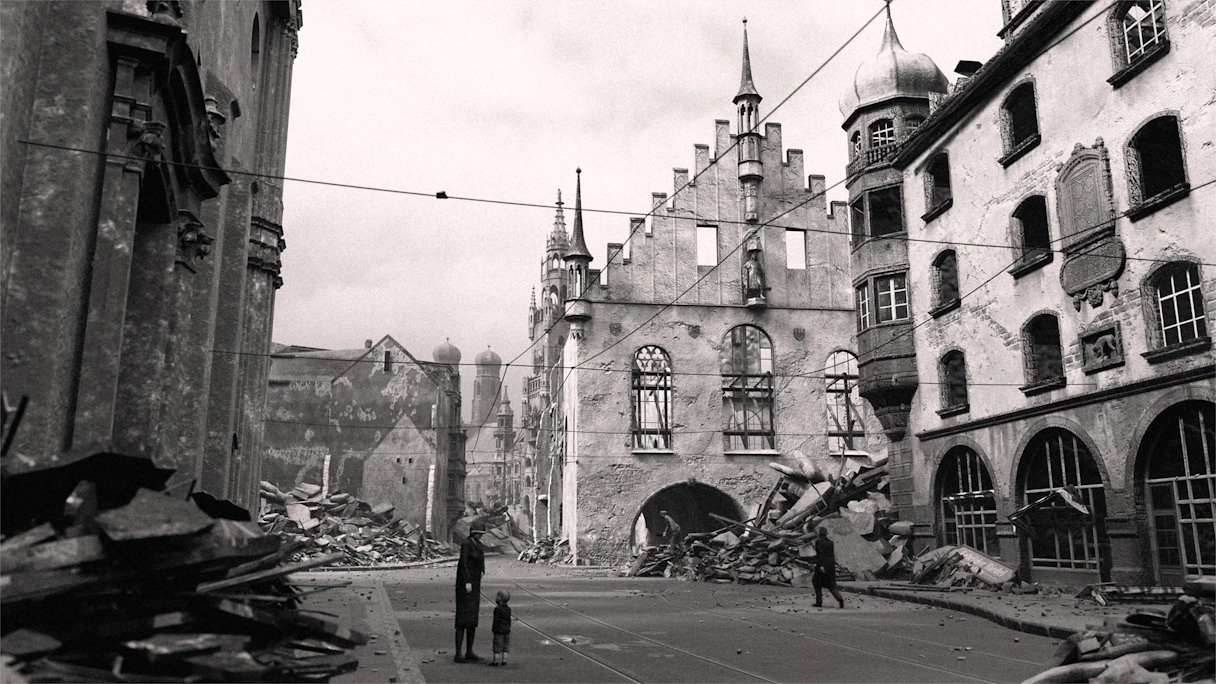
point(754, 285)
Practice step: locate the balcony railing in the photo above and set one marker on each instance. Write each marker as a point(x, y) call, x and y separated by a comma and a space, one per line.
point(872, 156)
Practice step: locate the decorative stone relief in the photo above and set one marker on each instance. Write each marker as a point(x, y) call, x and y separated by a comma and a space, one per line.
point(150, 145)
point(800, 334)
point(193, 244)
point(694, 331)
point(169, 11)
point(1102, 348)
point(614, 328)
point(215, 119)
point(1093, 254)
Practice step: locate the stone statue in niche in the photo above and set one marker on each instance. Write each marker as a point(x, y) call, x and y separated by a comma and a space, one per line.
point(754, 283)
point(1101, 349)
point(150, 145)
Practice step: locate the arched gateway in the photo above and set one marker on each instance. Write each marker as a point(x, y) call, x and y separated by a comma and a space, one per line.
point(690, 504)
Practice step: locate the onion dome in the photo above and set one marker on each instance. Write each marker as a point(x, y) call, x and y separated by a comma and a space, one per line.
point(446, 353)
point(488, 358)
point(893, 72)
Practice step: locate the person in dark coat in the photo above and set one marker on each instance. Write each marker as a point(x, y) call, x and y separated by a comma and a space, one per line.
point(469, 569)
point(825, 569)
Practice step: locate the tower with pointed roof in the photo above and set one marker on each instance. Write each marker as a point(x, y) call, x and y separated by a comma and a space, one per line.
point(751, 168)
point(578, 260)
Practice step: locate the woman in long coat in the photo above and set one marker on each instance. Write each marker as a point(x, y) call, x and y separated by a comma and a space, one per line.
point(469, 570)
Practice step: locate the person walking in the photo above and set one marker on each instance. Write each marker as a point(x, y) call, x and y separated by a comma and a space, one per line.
point(825, 569)
point(469, 569)
point(501, 628)
point(674, 534)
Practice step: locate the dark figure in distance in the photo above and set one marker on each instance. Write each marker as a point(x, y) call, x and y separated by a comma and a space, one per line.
point(469, 569)
point(825, 569)
point(675, 534)
point(502, 628)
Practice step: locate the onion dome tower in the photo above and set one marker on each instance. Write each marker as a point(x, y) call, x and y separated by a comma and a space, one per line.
point(447, 353)
point(486, 385)
point(578, 308)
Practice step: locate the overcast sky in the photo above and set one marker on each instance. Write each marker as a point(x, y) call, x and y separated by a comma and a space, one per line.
point(502, 100)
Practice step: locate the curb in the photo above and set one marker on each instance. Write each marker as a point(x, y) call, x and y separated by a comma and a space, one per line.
point(1026, 626)
point(389, 566)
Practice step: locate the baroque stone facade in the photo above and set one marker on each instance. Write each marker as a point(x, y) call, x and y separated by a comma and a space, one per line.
point(1052, 277)
point(142, 226)
point(716, 343)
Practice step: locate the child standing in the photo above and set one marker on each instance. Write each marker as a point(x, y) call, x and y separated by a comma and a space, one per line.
point(501, 628)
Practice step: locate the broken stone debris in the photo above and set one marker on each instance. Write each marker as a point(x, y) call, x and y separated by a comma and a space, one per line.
point(960, 566)
point(1145, 646)
point(777, 546)
point(123, 581)
point(364, 535)
point(551, 550)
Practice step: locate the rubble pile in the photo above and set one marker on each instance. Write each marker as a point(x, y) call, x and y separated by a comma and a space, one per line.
point(1147, 646)
point(962, 566)
point(502, 534)
point(338, 523)
point(550, 550)
point(119, 580)
point(776, 547)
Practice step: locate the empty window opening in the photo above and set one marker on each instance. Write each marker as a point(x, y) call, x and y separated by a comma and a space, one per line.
point(892, 294)
point(945, 279)
point(795, 249)
point(1031, 226)
point(1158, 157)
point(968, 502)
point(938, 185)
point(857, 219)
point(747, 389)
point(388, 361)
point(886, 211)
point(707, 245)
point(255, 50)
point(1064, 537)
point(845, 429)
point(652, 394)
point(856, 144)
point(954, 380)
point(1044, 358)
point(1180, 305)
point(1142, 27)
point(1021, 115)
point(882, 132)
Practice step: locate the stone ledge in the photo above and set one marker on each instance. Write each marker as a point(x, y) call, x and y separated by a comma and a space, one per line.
point(1026, 626)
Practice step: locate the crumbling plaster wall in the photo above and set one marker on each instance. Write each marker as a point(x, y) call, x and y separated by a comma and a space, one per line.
point(1076, 105)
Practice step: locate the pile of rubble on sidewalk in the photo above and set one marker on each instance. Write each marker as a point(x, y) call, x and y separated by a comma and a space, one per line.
point(777, 546)
point(106, 575)
point(552, 550)
point(318, 523)
point(502, 534)
point(1146, 646)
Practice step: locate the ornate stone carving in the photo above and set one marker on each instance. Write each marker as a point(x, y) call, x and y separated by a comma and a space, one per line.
point(755, 285)
point(193, 243)
point(614, 328)
point(215, 119)
point(1102, 348)
point(751, 212)
point(1094, 255)
point(694, 331)
point(800, 334)
point(169, 11)
point(150, 145)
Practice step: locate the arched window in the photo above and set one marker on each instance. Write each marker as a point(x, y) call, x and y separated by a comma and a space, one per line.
point(1019, 122)
point(882, 132)
point(746, 361)
point(968, 501)
point(945, 280)
point(1141, 27)
point(1180, 490)
point(1155, 167)
point(856, 144)
point(1041, 352)
point(845, 429)
point(1063, 536)
point(937, 185)
point(953, 372)
point(1176, 315)
point(651, 399)
point(1031, 234)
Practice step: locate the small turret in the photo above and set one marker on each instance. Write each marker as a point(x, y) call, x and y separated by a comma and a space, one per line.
point(751, 168)
point(578, 309)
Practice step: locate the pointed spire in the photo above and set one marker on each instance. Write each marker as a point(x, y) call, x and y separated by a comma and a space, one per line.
point(890, 39)
point(533, 296)
point(578, 248)
point(558, 236)
point(746, 86)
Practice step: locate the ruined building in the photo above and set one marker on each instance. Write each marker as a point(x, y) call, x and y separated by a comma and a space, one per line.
point(139, 257)
point(718, 343)
point(1033, 271)
point(374, 422)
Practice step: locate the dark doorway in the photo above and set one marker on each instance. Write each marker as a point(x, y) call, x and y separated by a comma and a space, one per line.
point(690, 504)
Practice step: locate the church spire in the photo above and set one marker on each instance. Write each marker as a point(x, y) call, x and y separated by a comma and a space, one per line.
point(558, 236)
point(747, 87)
point(578, 247)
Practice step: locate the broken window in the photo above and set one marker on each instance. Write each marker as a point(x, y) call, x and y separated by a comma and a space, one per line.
point(707, 245)
point(747, 389)
point(1179, 311)
point(651, 399)
point(845, 430)
point(1142, 27)
point(892, 294)
point(945, 279)
point(1019, 117)
point(1043, 357)
point(937, 182)
point(886, 211)
point(953, 372)
point(1180, 489)
point(968, 501)
point(1031, 233)
point(795, 249)
point(882, 132)
point(1154, 160)
point(863, 306)
point(1062, 537)
point(857, 219)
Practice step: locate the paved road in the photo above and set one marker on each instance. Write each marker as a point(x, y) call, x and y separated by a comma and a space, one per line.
point(572, 627)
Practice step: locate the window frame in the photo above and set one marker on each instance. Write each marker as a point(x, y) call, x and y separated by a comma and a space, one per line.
point(1159, 348)
point(883, 129)
point(1014, 147)
point(949, 381)
point(651, 376)
point(1128, 65)
point(892, 292)
point(935, 203)
point(1037, 380)
point(1085, 480)
point(842, 389)
point(940, 303)
point(1133, 155)
point(747, 394)
point(1029, 259)
point(974, 502)
point(862, 292)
